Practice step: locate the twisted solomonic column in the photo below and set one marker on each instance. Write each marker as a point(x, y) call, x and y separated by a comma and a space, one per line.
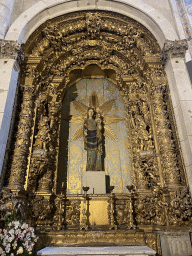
point(20, 154)
point(165, 138)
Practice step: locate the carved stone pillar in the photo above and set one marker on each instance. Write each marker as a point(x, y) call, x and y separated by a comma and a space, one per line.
point(10, 59)
point(19, 162)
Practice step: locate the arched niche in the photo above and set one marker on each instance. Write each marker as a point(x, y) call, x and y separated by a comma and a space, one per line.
point(98, 83)
point(58, 53)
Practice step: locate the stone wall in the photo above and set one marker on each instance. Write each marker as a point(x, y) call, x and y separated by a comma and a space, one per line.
point(162, 6)
point(20, 6)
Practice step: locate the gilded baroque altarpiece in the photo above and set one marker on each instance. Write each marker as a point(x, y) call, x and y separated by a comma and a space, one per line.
point(66, 61)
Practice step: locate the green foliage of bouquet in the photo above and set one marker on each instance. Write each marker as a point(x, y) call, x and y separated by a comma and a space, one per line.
point(17, 238)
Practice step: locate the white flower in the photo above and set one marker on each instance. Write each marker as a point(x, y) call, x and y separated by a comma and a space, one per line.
point(29, 248)
point(28, 236)
point(15, 243)
point(25, 225)
point(23, 233)
point(1, 250)
point(17, 232)
point(25, 244)
point(11, 238)
point(7, 249)
point(4, 243)
point(11, 231)
point(32, 244)
point(33, 235)
point(20, 250)
point(16, 224)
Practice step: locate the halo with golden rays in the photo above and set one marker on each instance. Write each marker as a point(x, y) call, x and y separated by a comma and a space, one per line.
point(103, 110)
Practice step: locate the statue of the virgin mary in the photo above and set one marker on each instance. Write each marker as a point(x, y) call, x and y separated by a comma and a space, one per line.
point(92, 129)
point(93, 141)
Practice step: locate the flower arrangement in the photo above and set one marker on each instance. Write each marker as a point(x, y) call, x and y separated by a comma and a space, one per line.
point(17, 238)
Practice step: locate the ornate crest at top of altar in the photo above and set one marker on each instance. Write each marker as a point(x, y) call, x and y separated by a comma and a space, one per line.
point(93, 21)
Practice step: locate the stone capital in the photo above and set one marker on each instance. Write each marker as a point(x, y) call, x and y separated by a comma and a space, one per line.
point(11, 50)
point(173, 49)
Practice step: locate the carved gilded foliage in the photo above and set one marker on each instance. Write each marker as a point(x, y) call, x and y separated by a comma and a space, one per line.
point(66, 46)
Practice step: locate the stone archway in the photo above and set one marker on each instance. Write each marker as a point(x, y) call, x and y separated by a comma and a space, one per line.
point(58, 48)
point(41, 12)
point(57, 55)
point(113, 42)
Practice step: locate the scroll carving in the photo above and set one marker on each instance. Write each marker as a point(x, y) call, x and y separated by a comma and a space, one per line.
point(122, 212)
point(150, 209)
point(42, 208)
point(73, 213)
point(146, 170)
point(180, 208)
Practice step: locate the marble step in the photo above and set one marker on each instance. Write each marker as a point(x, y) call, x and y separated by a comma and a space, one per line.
point(100, 251)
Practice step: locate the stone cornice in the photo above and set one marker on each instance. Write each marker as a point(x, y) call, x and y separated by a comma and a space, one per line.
point(173, 49)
